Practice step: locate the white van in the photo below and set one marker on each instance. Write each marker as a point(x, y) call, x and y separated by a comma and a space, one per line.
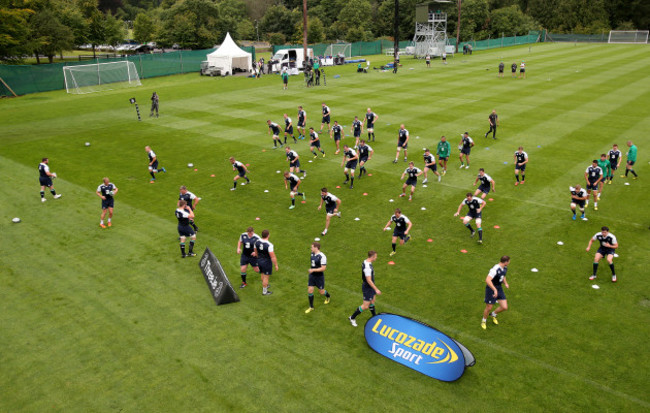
point(290, 58)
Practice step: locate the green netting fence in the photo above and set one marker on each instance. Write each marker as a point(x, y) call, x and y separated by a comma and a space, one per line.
point(24, 79)
point(357, 48)
point(583, 38)
point(531, 37)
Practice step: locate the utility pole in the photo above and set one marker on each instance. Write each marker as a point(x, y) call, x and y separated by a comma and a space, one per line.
point(304, 28)
point(396, 33)
point(458, 27)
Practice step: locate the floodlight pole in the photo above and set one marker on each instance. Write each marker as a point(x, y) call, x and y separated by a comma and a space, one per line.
point(396, 33)
point(458, 27)
point(304, 28)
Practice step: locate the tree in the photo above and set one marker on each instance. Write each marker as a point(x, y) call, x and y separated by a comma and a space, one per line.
point(278, 19)
point(231, 12)
point(144, 28)
point(356, 14)
point(246, 30)
point(48, 35)
point(382, 24)
point(14, 34)
point(276, 38)
point(191, 24)
point(474, 20)
point(509, 21)
point(315, 31)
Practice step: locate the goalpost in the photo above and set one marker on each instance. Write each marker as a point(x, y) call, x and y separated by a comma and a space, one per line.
point(343, 48)
point(100, 77)
point(628, 36)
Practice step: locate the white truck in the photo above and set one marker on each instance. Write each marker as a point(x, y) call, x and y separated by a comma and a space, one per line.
point(291, 59)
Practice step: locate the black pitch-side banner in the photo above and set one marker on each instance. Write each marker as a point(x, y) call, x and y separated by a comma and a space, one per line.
point(216, 278)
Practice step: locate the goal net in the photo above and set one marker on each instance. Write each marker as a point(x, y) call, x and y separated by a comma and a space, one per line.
point(100, 77)
point(335, 49)
point(632, 36)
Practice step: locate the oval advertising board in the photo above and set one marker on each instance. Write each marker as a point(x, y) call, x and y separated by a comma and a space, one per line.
point(417, 346)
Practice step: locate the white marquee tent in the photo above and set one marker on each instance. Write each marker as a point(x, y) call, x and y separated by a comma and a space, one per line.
point(229, 56)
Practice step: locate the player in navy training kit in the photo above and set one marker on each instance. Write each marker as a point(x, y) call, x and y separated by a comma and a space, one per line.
point(314, 143)
point(356, 129)
point(45, 179)
point(493, 118)
point(402, 227)
point(106, 191)
point(615, 159)
point(494, 291)
point(402, 142)
point(246, 247)
point(302, 122)
point(368, 288)
point(475, 206)
point(350, 160)
point(578, 198)
point(337, 134)
point(288, 129)
point(294, 161)
point(332, 205)
point(608, 245)
point(293, 182)
point(317, 276)
point(593, 176)
point(521, 159)
point(275, 129)
point(192, 200)
point(184, 214)
point(486, 182)
point(365, 154)
point(266, 260)
point(412, 179)
point(371, 118)
point(430, 165)
point(326, 117)
point(153, 164)
point(465, 146)
point(241, 172)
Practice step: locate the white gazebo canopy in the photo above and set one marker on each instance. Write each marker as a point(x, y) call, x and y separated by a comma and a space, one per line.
point(229, 56)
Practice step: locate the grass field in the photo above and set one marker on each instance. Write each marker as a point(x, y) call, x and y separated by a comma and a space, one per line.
point(115, 320)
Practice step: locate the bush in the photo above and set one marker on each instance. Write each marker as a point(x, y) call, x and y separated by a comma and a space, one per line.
point(276, 38)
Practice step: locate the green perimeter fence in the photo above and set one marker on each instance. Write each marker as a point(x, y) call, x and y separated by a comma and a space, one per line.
point(24, 79)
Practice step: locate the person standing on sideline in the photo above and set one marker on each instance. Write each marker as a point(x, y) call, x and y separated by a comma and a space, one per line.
point(522, 70)
point(430, 165)
point(246, 247)
point(293, 182)
point(593, 176)
point(494, 291)
point(371, 118)
point(402, 142)
point(350, 160)
point(45, 179)
point(154, 104)
point(615, 159)
point(285, 79)
point(317, 276)
point(241, 172)
point(368, 288)
point(475, 206)
point(332, 205)
point(428, 60)
point(365, 154)
point(493, 118)
point(631, 160)
point(402, 227)
point(443, 151)
point(191, 200)
point(465, 146)
point(444, 57)
point(514, 70)
point(486, 183)
point(302, 122)
point(184, 214)
point(153, 164)
point(106, 191)
point(578, 198)
point(266, 260)
point(521, 159)
point(501, 67)
point(608, 245)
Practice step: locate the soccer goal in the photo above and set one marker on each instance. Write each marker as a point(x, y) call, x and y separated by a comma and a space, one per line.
point(100, 77)
point(629, 37)
point(335, 49)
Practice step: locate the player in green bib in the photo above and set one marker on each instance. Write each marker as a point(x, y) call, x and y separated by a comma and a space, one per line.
point(604, 164)
point(631, 160)
point(443, 152)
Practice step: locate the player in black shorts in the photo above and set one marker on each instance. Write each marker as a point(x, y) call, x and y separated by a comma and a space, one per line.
point(302, 122)
point(45, 179)
point(241, 172)
point(615, 159)
point(486, 183)
point(246, 247)
point(493, 118)
point(430, 165)
point(326, 118)
point(501, 67)
point(184, 214)
point(365, 154)
point(314, 143)
point(475, 206)
point(412, 172)
point(402, 142)
point(153, 164)
point(514, 70)
point(316, 276)
point(371, 118)
point(275, 129)
point(291, 180)
point(465, 146)
point(338, 134)
point(266, 260)
point(294, 161)
point(593, 176)
point(494, 291)
point(350, 160)
point(521, 159)
point(578, 198)
point(356, 129)
point(332, 205)
point(402, 227)
point(368, 288)
point(608, 245)
point(106, 191)
point(192, 200)
point(288, 129)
